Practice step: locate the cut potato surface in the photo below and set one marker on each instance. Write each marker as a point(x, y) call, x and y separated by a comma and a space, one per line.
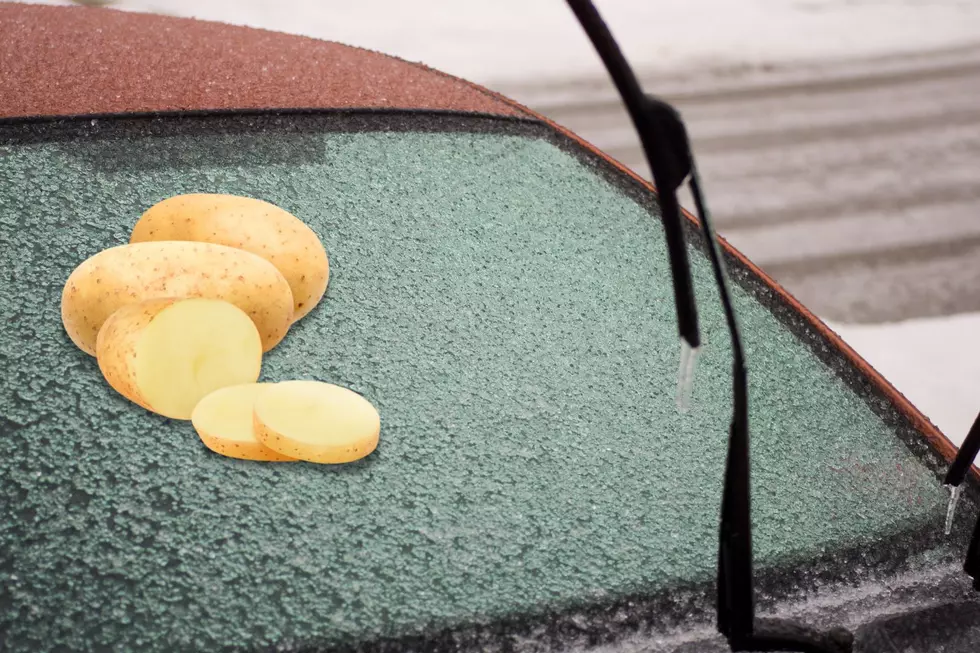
point(223, 420)
point(245, 223)
point(315, 421)
point(129, 274)
point(168, 354)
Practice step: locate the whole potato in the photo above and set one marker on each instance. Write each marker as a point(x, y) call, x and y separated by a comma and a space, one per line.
point(245, 223)
point(128, 274)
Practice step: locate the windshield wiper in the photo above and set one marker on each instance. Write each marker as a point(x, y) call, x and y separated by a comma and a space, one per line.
point(669, 172)
point(664, 139)
point(972, 563)
point(954, 481)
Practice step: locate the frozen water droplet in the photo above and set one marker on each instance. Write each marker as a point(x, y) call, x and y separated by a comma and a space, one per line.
point(954, 497)
point(685, 375)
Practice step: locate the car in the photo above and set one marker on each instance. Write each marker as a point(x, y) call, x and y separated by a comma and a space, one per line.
point(500, 290)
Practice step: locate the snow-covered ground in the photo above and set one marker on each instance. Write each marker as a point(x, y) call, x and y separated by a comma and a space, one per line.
point(515, 44)
point(934, 362)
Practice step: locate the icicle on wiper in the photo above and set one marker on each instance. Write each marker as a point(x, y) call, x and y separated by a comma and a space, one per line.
point(958, 470)
point(685, 375)
point(954, 498)
point(669, 168)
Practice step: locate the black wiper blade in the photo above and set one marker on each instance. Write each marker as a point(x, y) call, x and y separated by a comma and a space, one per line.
point(972, 564)
point(664, 139)
point(669, 167)
point(958, 470)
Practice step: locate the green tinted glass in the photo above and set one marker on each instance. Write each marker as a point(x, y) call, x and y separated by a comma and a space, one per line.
point(508, 310)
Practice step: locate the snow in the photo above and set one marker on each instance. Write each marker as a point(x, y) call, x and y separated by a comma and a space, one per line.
point(499, 41)
point(934, 362)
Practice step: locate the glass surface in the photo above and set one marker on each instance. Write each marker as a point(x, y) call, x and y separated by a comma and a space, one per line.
point(509, 312)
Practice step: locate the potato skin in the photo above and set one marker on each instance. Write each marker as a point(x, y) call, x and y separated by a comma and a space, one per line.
point(245, 223)
point(279, 443)
point(115, 346)
point(130, 274)
point(242, 451)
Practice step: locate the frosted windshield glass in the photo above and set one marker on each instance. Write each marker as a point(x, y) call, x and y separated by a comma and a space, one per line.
point(509, 312)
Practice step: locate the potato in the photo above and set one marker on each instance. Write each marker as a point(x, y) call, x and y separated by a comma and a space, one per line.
point(129, 274)
point(256, 226)
point(167, 354)
point(223, 420)
point(317, 422)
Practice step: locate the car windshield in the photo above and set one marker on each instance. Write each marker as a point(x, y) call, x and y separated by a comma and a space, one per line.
point(503, 297)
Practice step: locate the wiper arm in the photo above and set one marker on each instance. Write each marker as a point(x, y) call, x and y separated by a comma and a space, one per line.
point(669, 168)
point(954, 480)
point(664, 139)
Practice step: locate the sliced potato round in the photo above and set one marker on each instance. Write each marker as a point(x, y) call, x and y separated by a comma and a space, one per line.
point(168, 354)
point(223, 420)
point(317, 422)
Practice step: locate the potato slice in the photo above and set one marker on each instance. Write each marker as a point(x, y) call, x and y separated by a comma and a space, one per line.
point(129, 274)
point(167, 354)
point(250, 224)
point(317, 422)
point(223, 419)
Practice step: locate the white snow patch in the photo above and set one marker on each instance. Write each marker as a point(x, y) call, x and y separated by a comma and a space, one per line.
point(934, 362)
